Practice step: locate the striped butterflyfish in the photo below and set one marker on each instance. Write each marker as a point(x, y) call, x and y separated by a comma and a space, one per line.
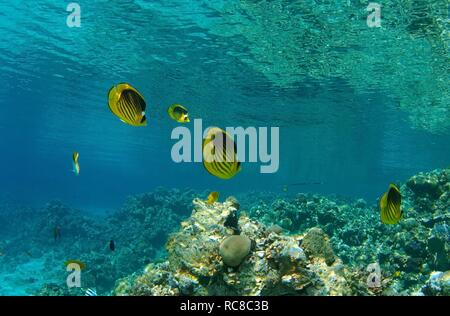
point(76, 166)
point(212, 198)
point(220, 154)
point(178, 113)
point(390, 206)
point(127, 104)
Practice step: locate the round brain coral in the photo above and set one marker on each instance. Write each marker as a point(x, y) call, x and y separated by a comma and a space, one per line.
point(234, 249)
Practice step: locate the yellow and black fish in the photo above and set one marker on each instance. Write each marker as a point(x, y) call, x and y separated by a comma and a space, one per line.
point(212, 197)
point(178, 113)
point(76, 166)
point(220, 154)
point(390, 206)
point(127, 104)
point(81, 264)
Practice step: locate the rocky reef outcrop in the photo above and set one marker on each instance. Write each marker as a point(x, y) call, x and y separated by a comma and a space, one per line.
point(276, 264)
point(408, 253)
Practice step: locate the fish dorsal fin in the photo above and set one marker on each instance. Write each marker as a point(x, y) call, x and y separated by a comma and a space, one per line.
point(394, 187)
point(394, 195)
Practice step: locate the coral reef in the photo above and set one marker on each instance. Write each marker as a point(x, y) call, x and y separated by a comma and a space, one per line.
point(438, 284)
point(276, 265)
point(263, 244)
point(407, 252)
point(139, 229)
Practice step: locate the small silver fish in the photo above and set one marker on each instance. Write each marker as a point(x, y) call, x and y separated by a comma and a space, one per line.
point(90, 292)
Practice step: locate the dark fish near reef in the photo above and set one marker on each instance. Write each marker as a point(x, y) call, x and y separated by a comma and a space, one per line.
point(178, 113)
point(78, 262)
point(127, 104)
point(76, 166)
point(212, 197)
point(390, 206)
point(112, 245)
point(220, 154)
point(57, 233)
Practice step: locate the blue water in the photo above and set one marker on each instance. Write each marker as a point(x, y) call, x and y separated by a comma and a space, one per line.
point(357, 107)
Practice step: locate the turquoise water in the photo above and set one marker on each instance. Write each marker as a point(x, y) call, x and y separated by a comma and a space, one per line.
point(357, 107)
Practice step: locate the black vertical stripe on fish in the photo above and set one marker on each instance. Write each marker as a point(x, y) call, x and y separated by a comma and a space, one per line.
point(216, 167)
point(228, 169)
point(393, 211)
point(132, 110)
point(393, 208)
point(129, 110)
point(134, 99)
point(121, 109)
point(132, 103)
point(220, 168)
point(397, 213)
point(388, 214)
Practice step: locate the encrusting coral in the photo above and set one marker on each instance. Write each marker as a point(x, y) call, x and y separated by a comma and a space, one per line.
point(234, 249)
